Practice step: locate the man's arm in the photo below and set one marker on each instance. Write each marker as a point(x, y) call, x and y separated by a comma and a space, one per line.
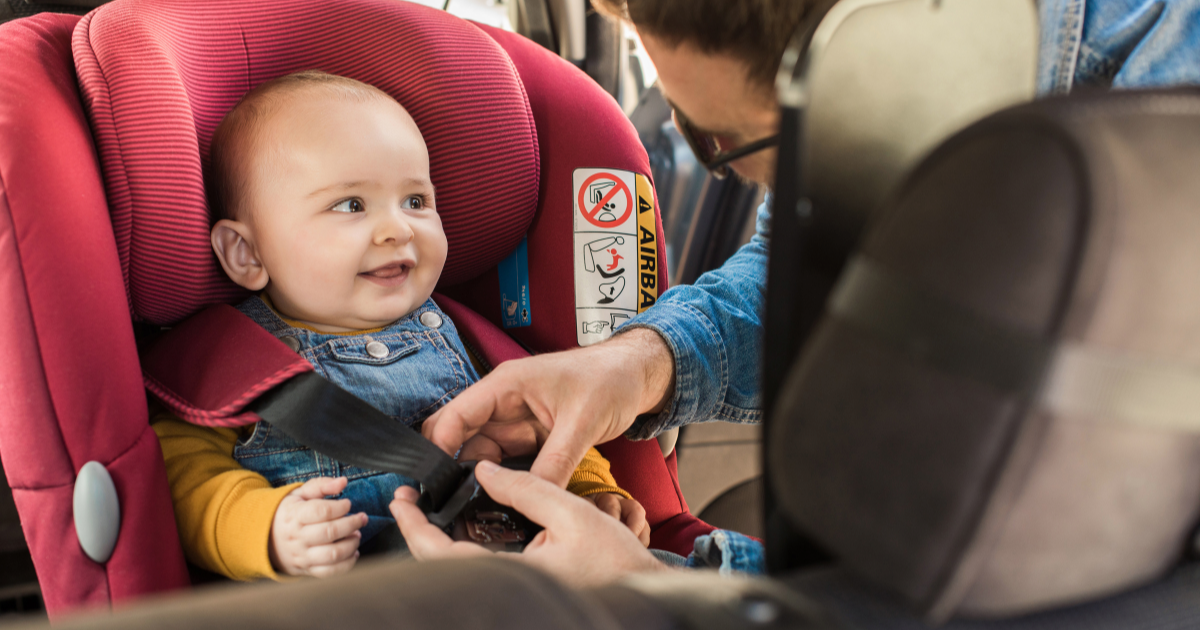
point(714, 330)
point(692, 357)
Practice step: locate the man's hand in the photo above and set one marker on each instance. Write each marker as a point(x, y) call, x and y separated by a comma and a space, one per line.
point(312, 535)
point(580, 545)
point(580, 398)
point(628, 511)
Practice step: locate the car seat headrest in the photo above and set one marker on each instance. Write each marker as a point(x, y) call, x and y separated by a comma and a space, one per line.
point(157, 77)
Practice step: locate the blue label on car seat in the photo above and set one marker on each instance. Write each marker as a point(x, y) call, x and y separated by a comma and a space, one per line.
point(514, 288)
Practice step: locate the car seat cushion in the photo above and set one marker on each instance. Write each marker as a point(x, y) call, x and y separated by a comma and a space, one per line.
point(157, 78)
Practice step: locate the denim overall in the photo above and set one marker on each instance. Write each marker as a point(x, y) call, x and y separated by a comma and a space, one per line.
point(407, 370)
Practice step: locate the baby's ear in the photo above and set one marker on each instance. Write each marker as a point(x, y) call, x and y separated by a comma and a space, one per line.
point(233, 242)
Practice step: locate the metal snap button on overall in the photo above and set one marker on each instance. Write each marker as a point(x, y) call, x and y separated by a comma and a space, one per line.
point(431, 319)
point(377, 349)
point(291, 342)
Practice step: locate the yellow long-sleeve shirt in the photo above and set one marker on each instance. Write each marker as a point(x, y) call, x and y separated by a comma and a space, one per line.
point(224, 512)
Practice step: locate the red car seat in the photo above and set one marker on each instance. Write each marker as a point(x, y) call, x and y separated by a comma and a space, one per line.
point(92, 233)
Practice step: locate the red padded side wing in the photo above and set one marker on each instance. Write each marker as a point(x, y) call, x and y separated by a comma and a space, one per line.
point(72, 389)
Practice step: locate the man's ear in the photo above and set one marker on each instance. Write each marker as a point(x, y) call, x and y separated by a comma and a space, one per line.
point(233, 242)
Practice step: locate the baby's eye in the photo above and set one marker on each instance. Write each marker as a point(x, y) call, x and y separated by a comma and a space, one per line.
point(349, 205)
point(415, 202)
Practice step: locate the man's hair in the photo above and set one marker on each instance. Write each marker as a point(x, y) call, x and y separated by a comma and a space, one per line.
point(227, 178)
point(755, 32)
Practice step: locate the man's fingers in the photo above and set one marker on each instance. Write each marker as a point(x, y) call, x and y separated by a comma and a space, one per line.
point(321, 510)
point(327, 570)
point(538, 499)
point(330, 531)
point(321, 487)
point(561, 454)
point(481, 447)
point(425, 540)
point(461, 418)
point(335, 552)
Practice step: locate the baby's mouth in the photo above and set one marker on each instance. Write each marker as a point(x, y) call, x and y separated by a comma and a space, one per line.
point(389, 274)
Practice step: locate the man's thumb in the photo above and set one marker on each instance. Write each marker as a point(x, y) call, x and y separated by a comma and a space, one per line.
point(560, 455)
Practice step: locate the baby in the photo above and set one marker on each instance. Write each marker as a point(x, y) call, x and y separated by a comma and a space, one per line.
point(326, 210)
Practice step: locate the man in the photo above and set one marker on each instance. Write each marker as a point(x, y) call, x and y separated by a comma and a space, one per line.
point(696, 353)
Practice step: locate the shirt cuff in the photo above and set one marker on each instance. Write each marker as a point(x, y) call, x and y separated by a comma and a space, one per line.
point(244, 531)
point(700, 358)
point(729, 553)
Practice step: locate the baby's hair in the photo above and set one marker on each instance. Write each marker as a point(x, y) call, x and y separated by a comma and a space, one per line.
point(239, 130)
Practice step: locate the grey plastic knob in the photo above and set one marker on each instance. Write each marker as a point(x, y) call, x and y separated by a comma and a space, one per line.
point(97, 511)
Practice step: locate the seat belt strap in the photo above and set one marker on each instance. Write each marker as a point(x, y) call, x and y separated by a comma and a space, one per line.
point(328, 419)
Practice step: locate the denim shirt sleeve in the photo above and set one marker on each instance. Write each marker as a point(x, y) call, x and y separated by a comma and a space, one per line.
point(714, 330)
point(1118, 44)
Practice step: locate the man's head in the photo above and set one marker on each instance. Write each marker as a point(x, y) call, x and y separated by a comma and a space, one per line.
point(716, 62)
point(321, 188)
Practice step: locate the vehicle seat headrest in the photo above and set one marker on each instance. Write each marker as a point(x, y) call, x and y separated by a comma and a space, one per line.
point(157, 77)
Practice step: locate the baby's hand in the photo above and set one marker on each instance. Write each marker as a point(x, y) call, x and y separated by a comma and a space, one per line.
point(627, 511)
point(312, 535)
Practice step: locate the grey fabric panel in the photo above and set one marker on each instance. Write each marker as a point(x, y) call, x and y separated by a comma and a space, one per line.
point(479, 593)
point(885, 462)
point(990, 222)
point(1105, 506)
point(1112, 497)
point(1169, 604)
point(1070, 220)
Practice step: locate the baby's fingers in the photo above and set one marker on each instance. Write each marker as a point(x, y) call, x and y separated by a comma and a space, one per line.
point(321, 487)
point(322, 510)
point(608, 503)
point(328, 570)
point(333, 553)
point(332, 531)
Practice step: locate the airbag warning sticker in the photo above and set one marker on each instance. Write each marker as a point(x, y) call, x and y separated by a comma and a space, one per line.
point(616, 250)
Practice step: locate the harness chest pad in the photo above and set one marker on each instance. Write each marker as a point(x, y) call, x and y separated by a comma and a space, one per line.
point(207, 369)
point(158, 76)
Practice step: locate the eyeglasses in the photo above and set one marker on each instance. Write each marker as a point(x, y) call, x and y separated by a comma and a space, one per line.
point(704, 145)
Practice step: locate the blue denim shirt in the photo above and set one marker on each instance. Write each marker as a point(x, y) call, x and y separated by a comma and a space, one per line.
point(408, 369)
point(714, 326)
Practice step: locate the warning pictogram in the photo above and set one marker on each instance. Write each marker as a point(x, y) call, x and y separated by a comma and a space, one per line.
point(616, 251)
point(605, 200)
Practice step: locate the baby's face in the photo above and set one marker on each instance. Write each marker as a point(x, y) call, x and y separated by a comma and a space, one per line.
point(342, 211)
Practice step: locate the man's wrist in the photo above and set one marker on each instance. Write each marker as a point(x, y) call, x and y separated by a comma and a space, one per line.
point(645, 349)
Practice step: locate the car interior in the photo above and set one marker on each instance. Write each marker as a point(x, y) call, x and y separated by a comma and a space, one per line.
point(980, 370)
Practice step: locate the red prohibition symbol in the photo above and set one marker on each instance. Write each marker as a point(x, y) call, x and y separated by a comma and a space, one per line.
point(591, 215)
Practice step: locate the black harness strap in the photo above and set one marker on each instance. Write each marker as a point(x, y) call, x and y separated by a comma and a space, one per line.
point(332, 421)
